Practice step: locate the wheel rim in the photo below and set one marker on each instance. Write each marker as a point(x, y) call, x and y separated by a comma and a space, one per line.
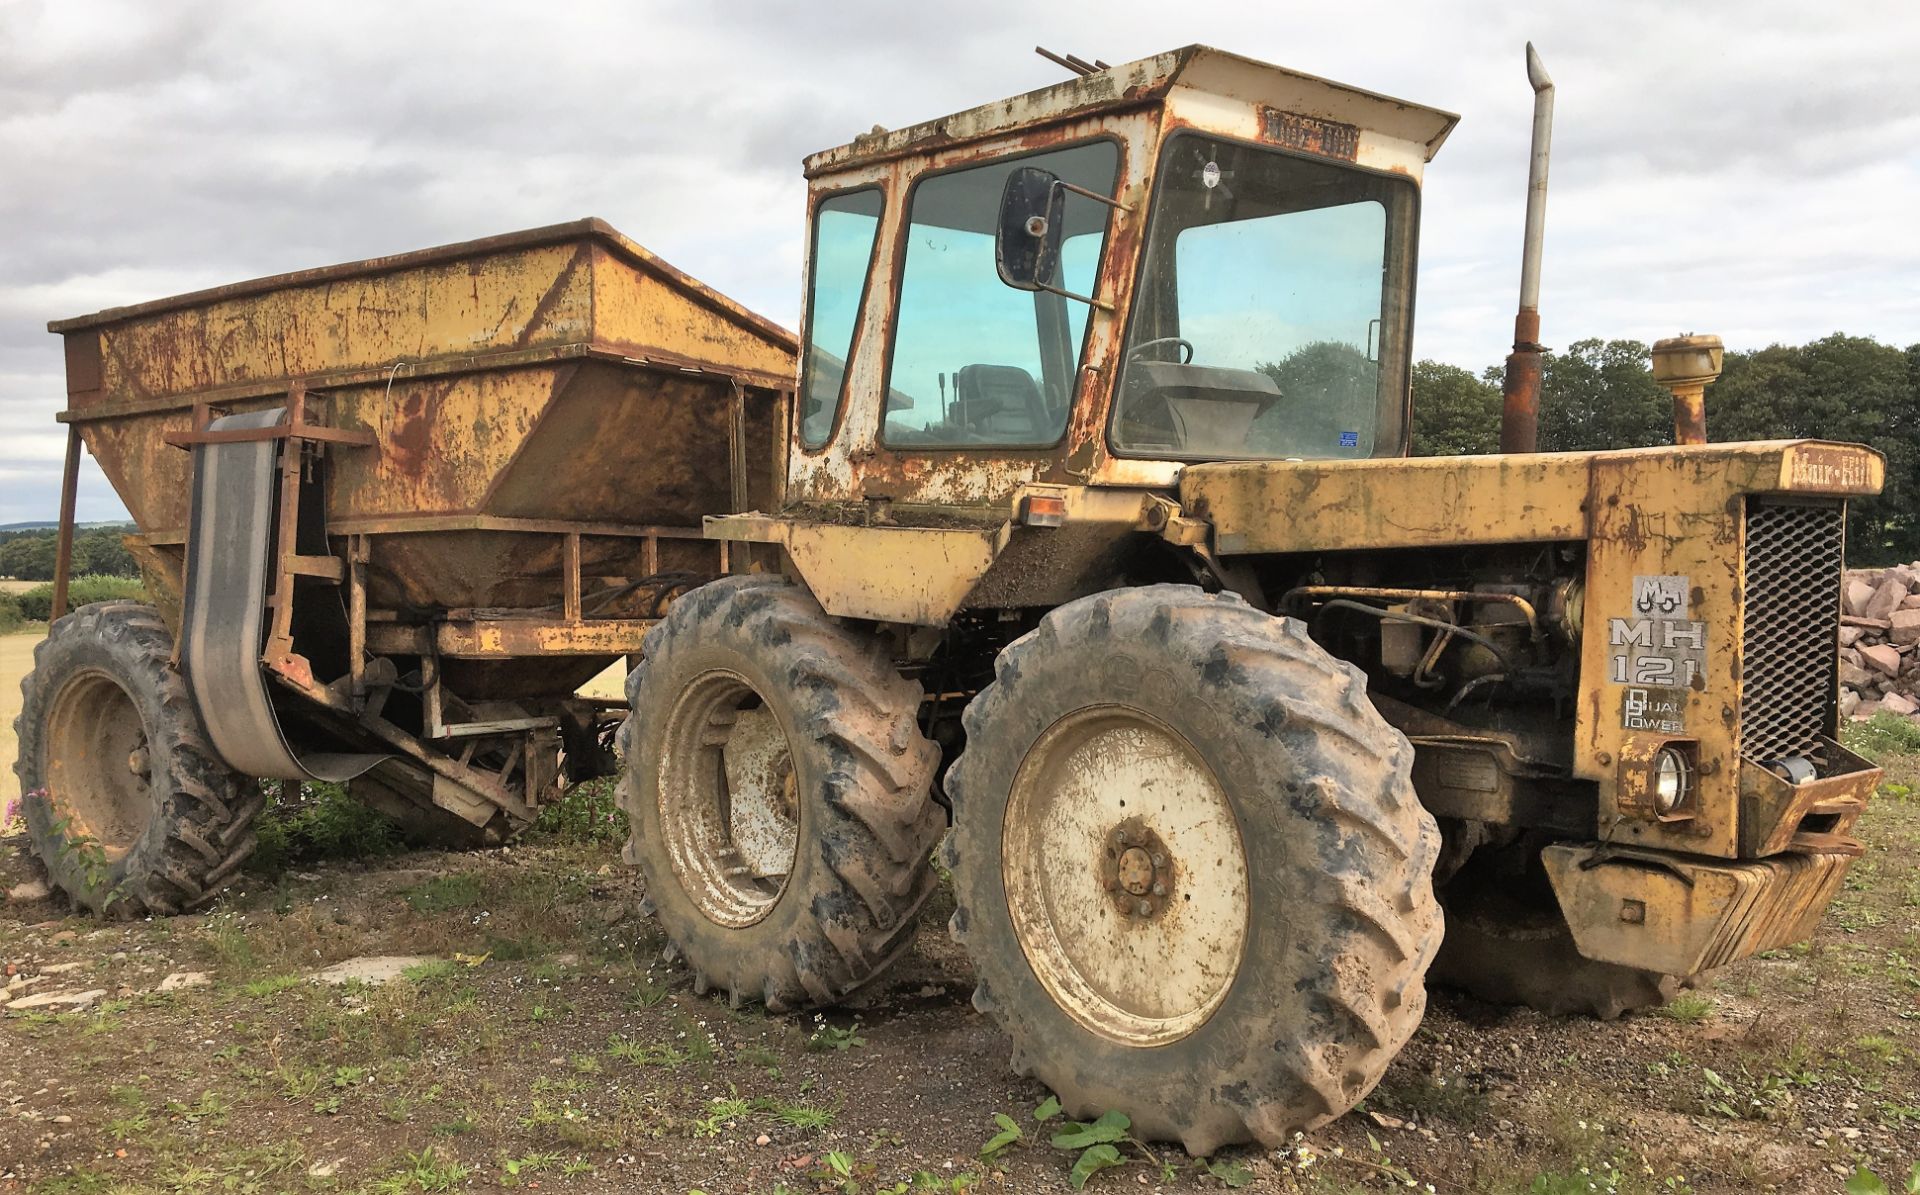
point(729, 807)
point(99, 763)
point(1125, 875)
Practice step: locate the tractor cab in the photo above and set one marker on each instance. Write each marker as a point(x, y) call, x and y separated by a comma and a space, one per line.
point(1193, 257)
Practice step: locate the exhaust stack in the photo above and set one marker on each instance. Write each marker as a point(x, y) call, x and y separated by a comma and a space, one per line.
point(1520, 412)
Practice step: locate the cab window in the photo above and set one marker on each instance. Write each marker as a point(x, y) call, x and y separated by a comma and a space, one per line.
point(975, 362)
point(843, 234)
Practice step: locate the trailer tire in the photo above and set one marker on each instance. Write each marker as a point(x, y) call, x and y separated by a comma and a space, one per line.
point(756, 656)
point(1258, 742)
point(1508, 943)
point(126, 803)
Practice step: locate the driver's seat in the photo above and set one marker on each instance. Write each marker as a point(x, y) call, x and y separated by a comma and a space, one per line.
point(1001, 403)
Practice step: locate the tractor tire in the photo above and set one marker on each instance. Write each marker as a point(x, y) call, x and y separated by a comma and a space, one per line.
point(125, 801)
point(1190, 868)
point(777, 787)
point(1508, 943)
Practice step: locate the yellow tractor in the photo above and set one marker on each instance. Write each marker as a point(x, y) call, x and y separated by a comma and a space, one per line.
point(1100, 536)
point(1077, 528)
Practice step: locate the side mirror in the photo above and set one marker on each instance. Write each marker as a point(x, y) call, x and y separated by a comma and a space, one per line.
point(1026, 249)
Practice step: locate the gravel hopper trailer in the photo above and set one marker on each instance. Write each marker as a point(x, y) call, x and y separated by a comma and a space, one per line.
point(392, 515)
point(1089, 532)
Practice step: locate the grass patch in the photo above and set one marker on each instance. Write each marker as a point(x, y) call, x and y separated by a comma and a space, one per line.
point(273, 984)
point(313, 821)
point(1881, 736)
point(433, 969)
point(443, 893)
point(587, 814)
point(1688, 1008)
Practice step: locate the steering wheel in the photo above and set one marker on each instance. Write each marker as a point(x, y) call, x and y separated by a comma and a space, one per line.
point(1144, 345)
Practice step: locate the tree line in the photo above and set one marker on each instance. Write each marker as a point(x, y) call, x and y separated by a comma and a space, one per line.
point(1600, 394)
point(28, 555)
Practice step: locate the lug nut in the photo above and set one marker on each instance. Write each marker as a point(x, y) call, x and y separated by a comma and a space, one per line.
point(1159, 860)
point(1159, 889)
point(1144, 907)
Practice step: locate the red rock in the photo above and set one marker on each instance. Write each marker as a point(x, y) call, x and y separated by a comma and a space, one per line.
point(1906, 626)
point(1886, 598)
point(1881, 658)
point(1855, 596)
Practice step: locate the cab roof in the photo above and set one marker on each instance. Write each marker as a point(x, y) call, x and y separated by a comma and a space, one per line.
point(1200, 69)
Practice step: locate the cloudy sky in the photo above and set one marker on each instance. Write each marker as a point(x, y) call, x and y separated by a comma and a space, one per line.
point(1751, 169)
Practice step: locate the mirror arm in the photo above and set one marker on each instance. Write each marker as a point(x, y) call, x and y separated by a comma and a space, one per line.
point(1110, 201)
point(1097, 197)
point(1089, 300)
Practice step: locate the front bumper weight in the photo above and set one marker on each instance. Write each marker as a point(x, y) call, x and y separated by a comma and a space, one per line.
point(1680, 915)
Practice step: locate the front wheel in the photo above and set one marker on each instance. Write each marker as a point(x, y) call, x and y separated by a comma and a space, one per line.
point(1190, 868)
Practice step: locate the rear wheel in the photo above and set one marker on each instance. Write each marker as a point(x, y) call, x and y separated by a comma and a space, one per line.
point(125, 801)
point(1190, 868)
point(1508, 943)
point(777, 785)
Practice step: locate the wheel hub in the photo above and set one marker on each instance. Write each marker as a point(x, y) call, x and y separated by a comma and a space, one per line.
point(98, 762)
point(1137, 870)
point(1125, 874)
point(729, 809)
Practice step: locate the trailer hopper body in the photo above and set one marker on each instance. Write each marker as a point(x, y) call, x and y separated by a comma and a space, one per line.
point(492, 462)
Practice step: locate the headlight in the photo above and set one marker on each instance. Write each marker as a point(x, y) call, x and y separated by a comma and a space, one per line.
point(1672, 780)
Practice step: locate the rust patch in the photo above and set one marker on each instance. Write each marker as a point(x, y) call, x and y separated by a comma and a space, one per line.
point(548, 300)
point(411, 439)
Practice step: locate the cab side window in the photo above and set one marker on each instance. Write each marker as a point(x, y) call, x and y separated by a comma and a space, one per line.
point(976, 362)
point(844, 227)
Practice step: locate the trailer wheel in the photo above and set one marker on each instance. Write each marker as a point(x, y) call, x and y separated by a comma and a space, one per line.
point(125, 801)
point(1190, 868)
point(777, 785)
point(1508, 943)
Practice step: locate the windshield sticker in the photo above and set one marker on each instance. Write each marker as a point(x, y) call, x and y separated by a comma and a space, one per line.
point(1349, 439)
point(1659, 646)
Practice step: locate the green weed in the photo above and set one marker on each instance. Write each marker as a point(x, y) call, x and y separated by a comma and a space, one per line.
point(1688, 1008)
point(311, 821)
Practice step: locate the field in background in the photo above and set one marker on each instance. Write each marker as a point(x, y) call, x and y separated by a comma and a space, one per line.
point(611, 683)
point(16, 660)
point(11, 585)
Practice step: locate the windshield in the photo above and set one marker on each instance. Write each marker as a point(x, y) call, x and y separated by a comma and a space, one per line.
point(1271, 319)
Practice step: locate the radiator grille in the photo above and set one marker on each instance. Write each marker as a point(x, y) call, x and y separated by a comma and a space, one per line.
point(1793, 577)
